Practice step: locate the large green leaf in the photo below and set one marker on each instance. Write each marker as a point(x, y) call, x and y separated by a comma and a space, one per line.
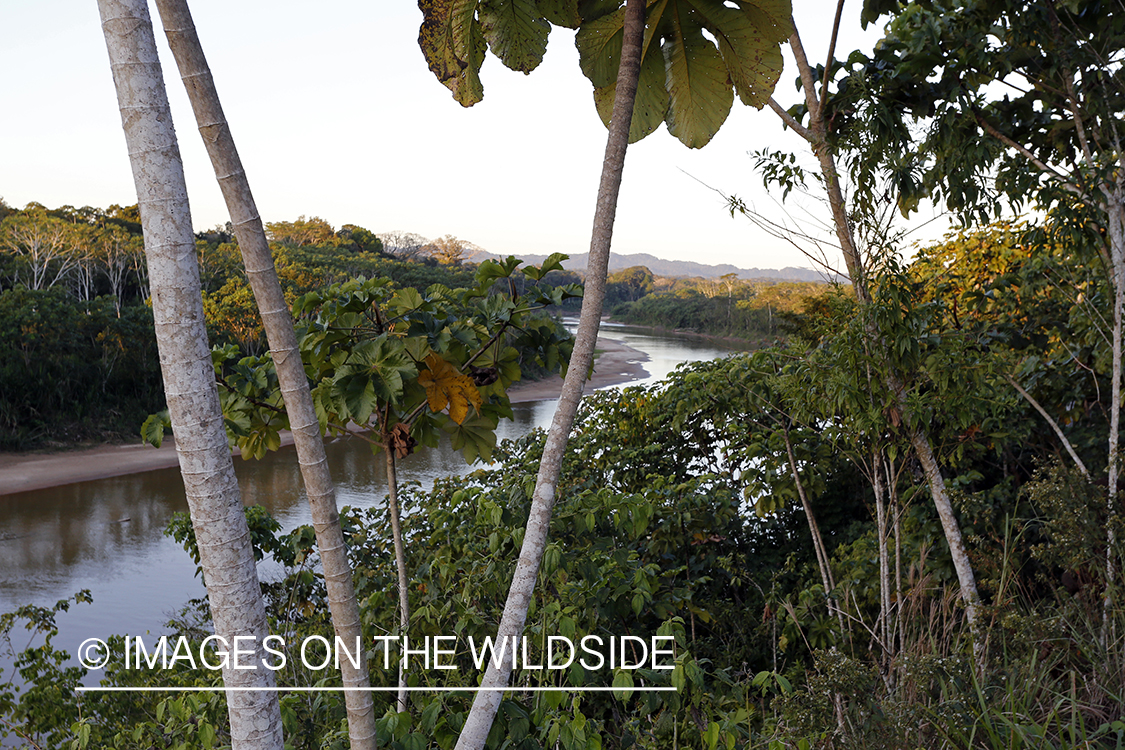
point(475, 437)
point(652, 99)
point(561, 12)
point(698, 76)
point(872, 9)
point(374, 374)
point(592, 10)
point(687, 78)
point(772, 18)
point(453, 44)
point(515, 31)
point(700, 88)
point(752, 62)
point(599, 48)
point(152, 431)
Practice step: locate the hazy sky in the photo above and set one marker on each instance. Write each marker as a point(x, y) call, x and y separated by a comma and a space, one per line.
point(336, 115)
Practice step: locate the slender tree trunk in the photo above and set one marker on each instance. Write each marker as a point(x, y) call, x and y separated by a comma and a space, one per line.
point(818, 541)
point(882, 485)
point(825, 571)
point(479, 722)
point(896, 510)
point(1113, 188)
point(816, 134)
point(961, 564)
point(1116, 226)
point(278, 324)
point(1050, 421)
point(400, 564)
point(213, 498)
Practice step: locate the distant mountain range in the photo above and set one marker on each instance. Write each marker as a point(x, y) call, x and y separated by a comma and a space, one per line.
point(679, 268)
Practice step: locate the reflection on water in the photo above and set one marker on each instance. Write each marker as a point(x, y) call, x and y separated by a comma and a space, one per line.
point(106, 535)
point(665, 351)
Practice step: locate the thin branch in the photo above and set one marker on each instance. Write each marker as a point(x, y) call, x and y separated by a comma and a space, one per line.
point(806, 76)
point(831, 51)
point(776, 230)
point(1054, 425)
point(358, 434)
point(791, 121)
point(1063, 180)
point(1079, 125)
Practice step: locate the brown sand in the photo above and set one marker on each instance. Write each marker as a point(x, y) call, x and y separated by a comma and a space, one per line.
point(24, 472)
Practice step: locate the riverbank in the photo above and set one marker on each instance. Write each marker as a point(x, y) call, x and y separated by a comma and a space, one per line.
point(617, 363)
point(24, 472)
point(734, 343)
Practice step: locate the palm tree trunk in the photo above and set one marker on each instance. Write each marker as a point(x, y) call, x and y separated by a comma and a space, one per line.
point(479, 722)
point(278, 324)
point(213, 498)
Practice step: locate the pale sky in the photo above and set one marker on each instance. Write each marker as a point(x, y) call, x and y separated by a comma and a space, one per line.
point(335, 114)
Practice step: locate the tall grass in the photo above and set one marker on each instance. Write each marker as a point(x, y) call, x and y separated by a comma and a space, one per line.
point(1054, 676)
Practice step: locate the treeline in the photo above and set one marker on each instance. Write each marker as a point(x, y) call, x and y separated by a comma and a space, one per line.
point(758, 311)
point(77, 351)
point(78, 355)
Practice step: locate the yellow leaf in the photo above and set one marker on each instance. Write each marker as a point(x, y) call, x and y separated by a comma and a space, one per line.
point(446, 387)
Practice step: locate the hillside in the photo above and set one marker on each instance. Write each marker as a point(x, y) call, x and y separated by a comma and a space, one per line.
point(683, 268)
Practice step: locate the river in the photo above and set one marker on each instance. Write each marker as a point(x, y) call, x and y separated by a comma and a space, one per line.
point(107, 535)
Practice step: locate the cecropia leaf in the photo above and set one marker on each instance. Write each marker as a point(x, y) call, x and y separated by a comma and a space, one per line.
point(710, 51)
point(696, 55)
point(515, 31)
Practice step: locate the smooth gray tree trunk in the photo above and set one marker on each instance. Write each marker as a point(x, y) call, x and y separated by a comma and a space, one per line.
point(400, 564)
point(487, 702)
point(816, 135)
point(213, 498)
point(822, 560)
point(278, 324)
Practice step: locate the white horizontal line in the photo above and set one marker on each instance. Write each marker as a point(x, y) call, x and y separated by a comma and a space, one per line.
point(598, 689)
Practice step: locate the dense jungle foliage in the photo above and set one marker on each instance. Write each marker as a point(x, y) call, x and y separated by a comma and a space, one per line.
point(78, 355)
point(732, 507)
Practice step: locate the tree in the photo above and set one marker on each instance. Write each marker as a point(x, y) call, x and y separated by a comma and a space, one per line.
point(310, 231)
point(294, 385)
point(448, 250)
point(226, 556)
point(399, 368)
point(487, 701)
point(117, 252)
point(364, 240)
point(405, 245)
point(41, 241)
point(1052, 136)
point(827, 136)
point(629, 285)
